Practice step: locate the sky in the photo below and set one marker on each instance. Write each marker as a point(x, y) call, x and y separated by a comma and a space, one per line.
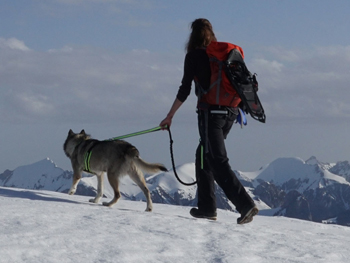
point(113, 67)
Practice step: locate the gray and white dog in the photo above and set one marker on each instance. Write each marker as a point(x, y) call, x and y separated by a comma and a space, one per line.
point(117, 158)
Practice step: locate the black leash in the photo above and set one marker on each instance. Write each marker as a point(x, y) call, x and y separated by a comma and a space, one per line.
point(173, 162)
point(171, 148)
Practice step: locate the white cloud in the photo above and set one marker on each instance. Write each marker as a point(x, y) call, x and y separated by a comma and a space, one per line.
point(311, 84)
point(13, 43)
point(74, 84)
point(284, 54)
point(35, 104)
point(85, 84)
point(273, 67)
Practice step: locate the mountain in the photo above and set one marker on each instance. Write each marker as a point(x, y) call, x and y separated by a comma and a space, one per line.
point(43, 175)
point(309, 190)
point(341, 169)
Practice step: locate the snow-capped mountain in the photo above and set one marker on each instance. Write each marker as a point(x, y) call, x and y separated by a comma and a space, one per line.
point(43, 175)
point(310, 190)
point(296, 174)
point(342, 169)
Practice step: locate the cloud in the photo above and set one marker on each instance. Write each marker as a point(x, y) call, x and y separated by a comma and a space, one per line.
point(13, 43)
point(304, 84)
point(35, 104)
point(85, 84)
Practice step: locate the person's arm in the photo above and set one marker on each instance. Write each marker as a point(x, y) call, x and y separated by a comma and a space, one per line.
point(166, 123)
point(183, 92)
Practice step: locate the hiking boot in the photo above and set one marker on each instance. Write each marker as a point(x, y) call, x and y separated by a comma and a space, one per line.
point(199, 214)
point(247, 215)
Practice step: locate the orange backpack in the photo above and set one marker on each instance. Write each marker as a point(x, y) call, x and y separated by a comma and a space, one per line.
point(220, 91)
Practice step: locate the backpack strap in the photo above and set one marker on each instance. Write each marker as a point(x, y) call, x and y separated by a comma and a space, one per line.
point(200, 91)
point(219, 79)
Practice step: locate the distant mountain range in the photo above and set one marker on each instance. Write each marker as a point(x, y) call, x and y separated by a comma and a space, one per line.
point(290, 187)
point(309, 190)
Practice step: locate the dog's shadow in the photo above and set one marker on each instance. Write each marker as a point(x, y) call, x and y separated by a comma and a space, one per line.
point(31, 195)
point(43, 196)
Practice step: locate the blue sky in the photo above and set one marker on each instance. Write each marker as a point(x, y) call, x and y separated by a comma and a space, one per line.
point(118, 25)
point(113, 67)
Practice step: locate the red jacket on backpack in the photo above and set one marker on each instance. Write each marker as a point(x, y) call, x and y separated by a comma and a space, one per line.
point(220, 91)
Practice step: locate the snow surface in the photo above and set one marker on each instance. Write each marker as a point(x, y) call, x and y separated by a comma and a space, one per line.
point(45, 226)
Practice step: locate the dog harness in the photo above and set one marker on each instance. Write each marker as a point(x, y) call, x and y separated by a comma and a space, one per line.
point(87, 157)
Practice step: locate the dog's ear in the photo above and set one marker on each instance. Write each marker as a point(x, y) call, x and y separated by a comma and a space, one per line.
point(70, 132)
point(82, 132)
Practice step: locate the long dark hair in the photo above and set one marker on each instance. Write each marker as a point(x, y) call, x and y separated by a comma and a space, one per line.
point(202, 34)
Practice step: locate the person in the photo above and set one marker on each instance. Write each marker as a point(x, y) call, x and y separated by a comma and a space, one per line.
point(215, 164)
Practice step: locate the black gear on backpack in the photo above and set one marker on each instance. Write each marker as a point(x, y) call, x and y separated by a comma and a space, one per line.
point(246, 85)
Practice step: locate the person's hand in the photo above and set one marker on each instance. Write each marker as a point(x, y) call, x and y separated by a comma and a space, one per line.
point(166, 123)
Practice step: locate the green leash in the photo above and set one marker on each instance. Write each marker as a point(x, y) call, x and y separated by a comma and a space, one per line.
point(135, 134)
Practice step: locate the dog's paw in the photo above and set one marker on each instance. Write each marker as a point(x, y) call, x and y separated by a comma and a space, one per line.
point(109, 204)
point(148, 209)
point(72, 190)
point(93, 200)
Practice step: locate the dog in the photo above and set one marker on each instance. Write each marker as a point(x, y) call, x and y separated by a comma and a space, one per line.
point(117, 158)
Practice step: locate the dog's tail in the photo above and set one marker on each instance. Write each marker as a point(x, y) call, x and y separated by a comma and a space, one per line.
point(151, 168)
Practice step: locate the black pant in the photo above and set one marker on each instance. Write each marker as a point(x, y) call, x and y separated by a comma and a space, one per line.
point(215, 164)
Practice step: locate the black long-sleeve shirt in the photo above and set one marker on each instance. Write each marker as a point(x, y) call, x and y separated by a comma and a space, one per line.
point(196, 65)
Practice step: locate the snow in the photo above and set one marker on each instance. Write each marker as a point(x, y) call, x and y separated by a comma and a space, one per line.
point(44, 226)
